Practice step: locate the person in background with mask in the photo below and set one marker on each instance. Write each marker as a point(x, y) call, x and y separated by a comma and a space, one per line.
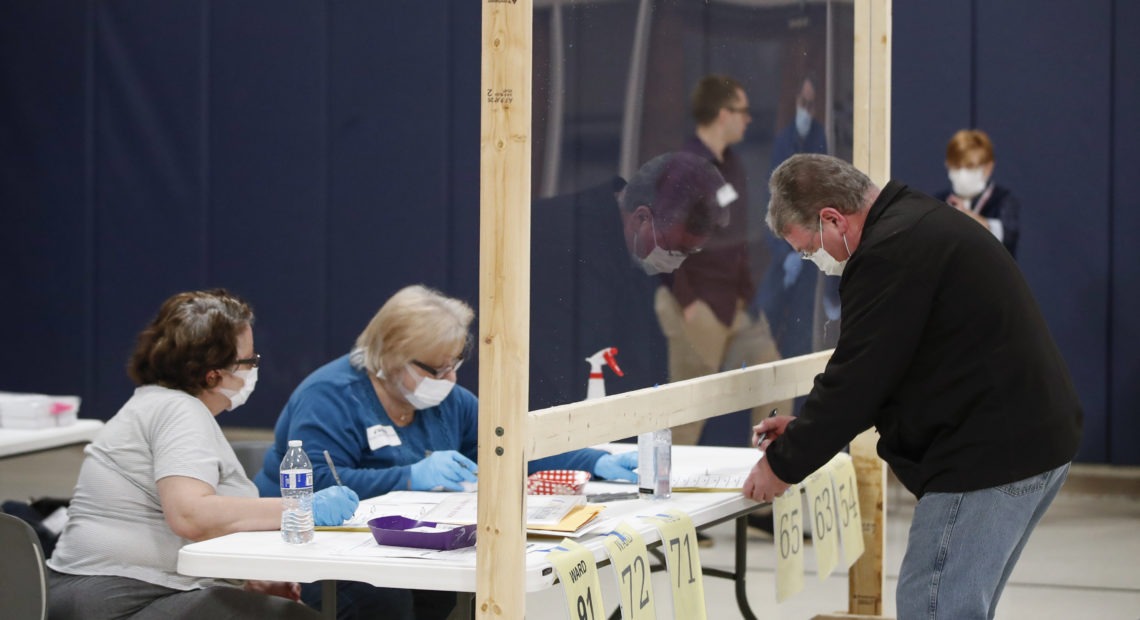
point(800, 303)
point(804, 134)
point(596, 253)
point(161, 473)
point(970, 167)
point(978, 418)
point(787, 295)
point(392, 418)
point(702, 306)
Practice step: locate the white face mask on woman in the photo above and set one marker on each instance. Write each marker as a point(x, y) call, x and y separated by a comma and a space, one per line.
point(238, 397)
point(428, 393)
point(967, 182)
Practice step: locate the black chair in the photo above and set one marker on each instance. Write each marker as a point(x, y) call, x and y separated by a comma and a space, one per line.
point(23, 574)
point(251, 455)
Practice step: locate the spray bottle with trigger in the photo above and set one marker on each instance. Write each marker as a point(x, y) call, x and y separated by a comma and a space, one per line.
point(596, 385)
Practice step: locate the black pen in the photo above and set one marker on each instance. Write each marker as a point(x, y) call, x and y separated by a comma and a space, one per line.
point(332, 468)
point(762, 436)
point(611, 497)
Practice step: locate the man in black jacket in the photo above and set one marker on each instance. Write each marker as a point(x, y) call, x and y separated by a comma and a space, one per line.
point(945, 352)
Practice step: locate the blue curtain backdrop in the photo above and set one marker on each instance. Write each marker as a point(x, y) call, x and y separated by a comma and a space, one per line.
point(315, 156)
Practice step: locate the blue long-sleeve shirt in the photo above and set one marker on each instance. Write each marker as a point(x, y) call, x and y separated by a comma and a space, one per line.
point(336, 409)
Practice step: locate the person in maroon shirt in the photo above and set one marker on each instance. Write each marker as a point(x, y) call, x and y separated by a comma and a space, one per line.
point(702, 305)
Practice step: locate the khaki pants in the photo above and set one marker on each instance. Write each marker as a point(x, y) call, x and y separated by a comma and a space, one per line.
point(704, 345)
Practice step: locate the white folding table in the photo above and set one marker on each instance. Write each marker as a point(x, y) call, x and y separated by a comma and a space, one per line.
point(265, 556)
point(18, 441)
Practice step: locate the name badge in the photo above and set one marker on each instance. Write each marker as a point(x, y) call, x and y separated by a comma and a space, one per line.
point(380, 436)
point(726, 195)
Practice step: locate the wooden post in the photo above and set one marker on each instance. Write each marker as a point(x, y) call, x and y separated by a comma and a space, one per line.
point(872, 155)
point(865, 581)
point(504, 305)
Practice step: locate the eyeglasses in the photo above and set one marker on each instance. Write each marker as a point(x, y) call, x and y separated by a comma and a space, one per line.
point(436, 373)
point(806, 255)
point(678, 253)
point(747, 111)
point(252, 362)
point(686, 253)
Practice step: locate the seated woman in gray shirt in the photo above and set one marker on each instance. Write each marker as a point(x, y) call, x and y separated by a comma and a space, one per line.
point(161, 474)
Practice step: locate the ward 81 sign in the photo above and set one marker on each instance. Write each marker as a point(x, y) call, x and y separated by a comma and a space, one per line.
point(579, 576)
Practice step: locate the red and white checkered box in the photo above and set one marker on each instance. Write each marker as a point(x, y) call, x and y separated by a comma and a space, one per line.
point(557, 482)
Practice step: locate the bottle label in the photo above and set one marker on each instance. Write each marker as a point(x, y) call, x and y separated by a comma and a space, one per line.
point(646, 469)
point(296, 480)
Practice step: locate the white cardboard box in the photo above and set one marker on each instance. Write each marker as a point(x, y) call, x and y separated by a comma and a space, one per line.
point(31, 411)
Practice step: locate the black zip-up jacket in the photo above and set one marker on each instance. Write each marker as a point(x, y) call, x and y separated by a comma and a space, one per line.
point(944, 350)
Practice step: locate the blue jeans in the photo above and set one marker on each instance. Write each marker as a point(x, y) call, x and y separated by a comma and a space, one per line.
point(963, 546)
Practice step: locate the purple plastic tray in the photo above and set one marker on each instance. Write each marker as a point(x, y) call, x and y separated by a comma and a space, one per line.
point(393, 531)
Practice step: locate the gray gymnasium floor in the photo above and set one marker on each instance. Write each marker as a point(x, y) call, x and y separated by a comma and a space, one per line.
point(1083, 561)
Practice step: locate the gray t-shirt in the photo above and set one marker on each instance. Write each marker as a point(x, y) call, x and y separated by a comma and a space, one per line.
point(116, 525)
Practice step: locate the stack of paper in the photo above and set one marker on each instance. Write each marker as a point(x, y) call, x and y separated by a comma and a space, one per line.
point(560, 514)
point(715, 479)
point(546, 514)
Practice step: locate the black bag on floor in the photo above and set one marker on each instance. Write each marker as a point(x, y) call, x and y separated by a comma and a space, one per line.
point(35, 513)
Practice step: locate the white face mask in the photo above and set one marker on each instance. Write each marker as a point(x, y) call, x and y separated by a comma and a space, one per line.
point(803, 121)
point(659, 260)
point(967, 182)
point(825, 261)
point(238, 397)
point(428, 393)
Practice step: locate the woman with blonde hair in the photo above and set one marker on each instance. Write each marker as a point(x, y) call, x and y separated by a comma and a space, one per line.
point(970, 168)
point(392, 418)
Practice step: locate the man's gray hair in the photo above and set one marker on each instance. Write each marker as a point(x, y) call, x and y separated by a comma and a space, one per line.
point(679, 188)
point(806, 183)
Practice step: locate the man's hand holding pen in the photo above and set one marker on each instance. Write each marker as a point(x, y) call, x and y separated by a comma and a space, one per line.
point(762, 484)
point(769, 429)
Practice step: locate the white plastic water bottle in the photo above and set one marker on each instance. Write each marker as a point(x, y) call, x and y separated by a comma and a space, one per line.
point(654, 463)
point(296, 495)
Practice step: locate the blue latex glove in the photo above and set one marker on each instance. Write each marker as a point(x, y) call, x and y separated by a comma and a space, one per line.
point(334, 505)
point(617, 466)
point(792, 265)
point(445, 470)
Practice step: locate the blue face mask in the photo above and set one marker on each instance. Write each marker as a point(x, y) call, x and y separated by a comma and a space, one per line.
point(803, 121)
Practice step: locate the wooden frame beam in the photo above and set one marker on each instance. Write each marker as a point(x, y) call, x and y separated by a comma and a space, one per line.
point(627, 414)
